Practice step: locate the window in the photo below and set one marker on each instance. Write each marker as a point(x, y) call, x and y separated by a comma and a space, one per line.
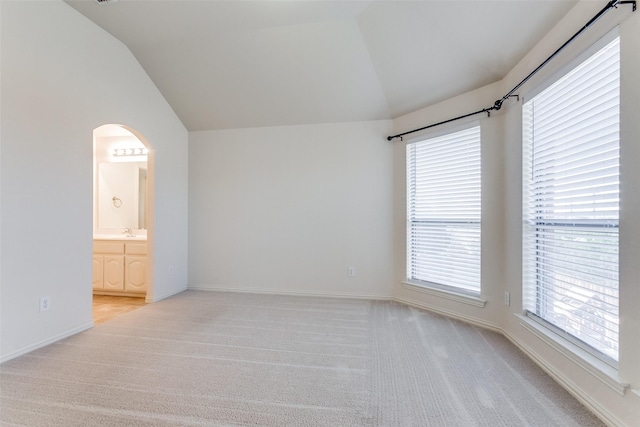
point(443, 210)
point(571, 202)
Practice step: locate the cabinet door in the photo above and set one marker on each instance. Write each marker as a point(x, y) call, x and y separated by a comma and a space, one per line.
point(98, 263)
point(135, 279)
point(113, 273)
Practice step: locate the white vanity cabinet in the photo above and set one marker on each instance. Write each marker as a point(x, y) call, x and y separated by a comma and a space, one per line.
point(135, 267)
point(119, 267)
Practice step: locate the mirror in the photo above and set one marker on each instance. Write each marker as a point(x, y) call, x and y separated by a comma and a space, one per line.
point(122, 195)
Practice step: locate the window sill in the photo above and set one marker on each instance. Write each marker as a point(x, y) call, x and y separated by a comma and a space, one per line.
point(607, 374)
point(463, 298)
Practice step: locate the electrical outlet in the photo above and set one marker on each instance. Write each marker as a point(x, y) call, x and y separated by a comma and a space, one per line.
point(507, 298)
point(44, 304)
point(351, 271)
point(171, 270)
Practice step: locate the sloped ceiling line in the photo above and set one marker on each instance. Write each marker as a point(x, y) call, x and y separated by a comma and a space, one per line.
point(512, 93)
point(241, 64)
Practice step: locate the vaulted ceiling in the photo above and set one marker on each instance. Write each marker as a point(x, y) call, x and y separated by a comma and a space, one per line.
point(237, 64)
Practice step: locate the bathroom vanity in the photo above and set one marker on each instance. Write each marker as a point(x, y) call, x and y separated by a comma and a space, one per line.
point(120, 266)
point(120, 214)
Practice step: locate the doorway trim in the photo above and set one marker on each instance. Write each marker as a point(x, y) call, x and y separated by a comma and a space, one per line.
point(149, 298)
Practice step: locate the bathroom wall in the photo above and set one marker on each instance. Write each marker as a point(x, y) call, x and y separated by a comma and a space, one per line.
point(118, 176)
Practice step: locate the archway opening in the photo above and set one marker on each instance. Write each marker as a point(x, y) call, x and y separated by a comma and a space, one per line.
point(122, 221)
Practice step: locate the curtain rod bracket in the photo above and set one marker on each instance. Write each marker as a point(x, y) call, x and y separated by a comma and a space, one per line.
point(631, 2)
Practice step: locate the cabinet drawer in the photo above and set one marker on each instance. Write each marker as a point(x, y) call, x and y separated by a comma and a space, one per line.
point(136, 248)
point(108, 247)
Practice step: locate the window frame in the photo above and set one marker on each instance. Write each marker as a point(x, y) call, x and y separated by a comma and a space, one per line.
point(458, 293)
point(526, 157)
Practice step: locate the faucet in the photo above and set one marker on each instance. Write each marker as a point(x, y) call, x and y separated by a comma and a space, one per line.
point(128, 232)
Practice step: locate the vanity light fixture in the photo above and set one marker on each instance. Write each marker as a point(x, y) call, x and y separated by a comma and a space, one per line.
point(120, 152)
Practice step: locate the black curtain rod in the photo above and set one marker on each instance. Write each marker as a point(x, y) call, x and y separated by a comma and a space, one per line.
point(498, 104)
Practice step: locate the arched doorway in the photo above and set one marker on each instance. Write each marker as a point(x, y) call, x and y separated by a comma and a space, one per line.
point(123, 164)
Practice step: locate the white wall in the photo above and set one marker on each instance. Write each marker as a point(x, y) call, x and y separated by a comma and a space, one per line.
point(492, 210)
point(600, 388)
point(105, 213)
point(630, 189)
point(62, 76)
point(284, 209)
point(289, 209)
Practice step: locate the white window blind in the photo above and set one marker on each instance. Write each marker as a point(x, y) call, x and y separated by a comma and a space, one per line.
point(443, 210)
point(571, 202)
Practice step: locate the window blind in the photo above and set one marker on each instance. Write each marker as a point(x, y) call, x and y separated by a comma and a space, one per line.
point(571, 202)
point(443, 210)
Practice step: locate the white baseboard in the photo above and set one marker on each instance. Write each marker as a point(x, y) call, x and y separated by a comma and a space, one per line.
point(452, 314)
point(591, 365)
point(582, 396)
point(46, 342)
point(291, 293)
point(475, 301)
point(166, 295)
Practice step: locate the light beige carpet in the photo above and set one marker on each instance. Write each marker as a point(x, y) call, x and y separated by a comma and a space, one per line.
point(223, 359)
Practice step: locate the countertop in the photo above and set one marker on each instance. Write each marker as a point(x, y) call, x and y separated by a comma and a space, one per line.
point(142, 238)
